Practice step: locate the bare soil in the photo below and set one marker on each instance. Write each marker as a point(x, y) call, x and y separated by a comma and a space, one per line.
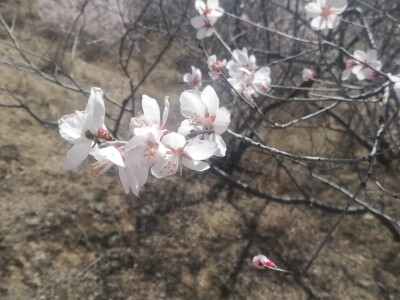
point(67, 235)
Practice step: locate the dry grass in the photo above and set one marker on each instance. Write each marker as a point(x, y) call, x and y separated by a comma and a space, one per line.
point(70, 236)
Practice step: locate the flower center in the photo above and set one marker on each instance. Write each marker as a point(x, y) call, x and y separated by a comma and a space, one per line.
point(207, 10)
point(326, 12)
point(196, 80)
point(206, 24)
point(350, 64)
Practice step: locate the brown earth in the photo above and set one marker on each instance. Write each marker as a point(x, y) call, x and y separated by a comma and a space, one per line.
point(67, 235)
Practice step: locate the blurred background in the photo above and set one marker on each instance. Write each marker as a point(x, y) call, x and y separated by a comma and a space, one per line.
point(69, 235)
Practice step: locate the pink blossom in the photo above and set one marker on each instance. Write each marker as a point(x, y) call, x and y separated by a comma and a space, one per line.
point(360, 67)
point(181, 152)
point(325, 13)
point(193, 78)
point(83, 129)
point(241, 63)
point(262, 262)
point(308, 74)
point(262, 80)
point(203, 24)
point(215, 66)
point(150, 116)
point(203, 113)
point(211, 9)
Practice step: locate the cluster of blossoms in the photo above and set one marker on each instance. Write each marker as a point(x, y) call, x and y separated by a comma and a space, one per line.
point(244, 76)
point(209, 13)
point(360, 67)
point(152, 147)
point(325, 13)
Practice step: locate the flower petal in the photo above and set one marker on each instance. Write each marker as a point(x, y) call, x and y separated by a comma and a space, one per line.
point(313, 10)
point(151, 110)
point(197, 22)
point(210, 99)
point(165, 113)
point(200, 149)
point(318, 23)
point(71, 127)
point(360, 55)
point(222, 120)
point(191, 104)
point(111, 153)
point(76, 155)
point(174, 140)
point(195, 165)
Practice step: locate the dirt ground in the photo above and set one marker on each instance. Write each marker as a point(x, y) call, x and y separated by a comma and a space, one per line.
point(67, 235)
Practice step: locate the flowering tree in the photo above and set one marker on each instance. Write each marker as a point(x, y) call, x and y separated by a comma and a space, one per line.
point(276, 71)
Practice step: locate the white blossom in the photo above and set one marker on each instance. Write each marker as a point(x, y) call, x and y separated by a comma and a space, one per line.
point(193, 78)
point(325, 13)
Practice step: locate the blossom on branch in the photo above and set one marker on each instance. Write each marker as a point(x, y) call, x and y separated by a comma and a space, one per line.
point(241, 63)
point(262, 262)
point(150, 116)
point(360, 67)
point(180, 152)
point(211, 9)
point(308, 74)
point(203, 24)
point(203, 113)
point(83, 129)
point(325, 13)
point(193, 78)
point(215, 66)
point(262, 80)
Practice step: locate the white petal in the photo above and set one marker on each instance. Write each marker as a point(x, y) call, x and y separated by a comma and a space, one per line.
point(186, 127)
point(195, 165)
point(165, 113)
point(124, 179)
point(191, 104)
point(76, 155)
point(200, 6)
point(318, 23)
point(360, 55)
point(151, 110)
point(346, 74)
point(188, 78)
point(111, 153)
point(210, 99)
point(333, 21)
point(166, 167)
point(394, 78)
point(95, 110)
point(357, 69)
point(371, 55)
point(377, 64)
point(173, 140)
point(212, 4)
point(197, 22)
point(71, 127)
point(222, 120)
point(213, 75)
point(203, 33)
point(397, 89)
point(313, 10)
point(200, 149)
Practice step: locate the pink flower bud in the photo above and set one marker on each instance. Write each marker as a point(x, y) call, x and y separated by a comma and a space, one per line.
point(262, 262)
